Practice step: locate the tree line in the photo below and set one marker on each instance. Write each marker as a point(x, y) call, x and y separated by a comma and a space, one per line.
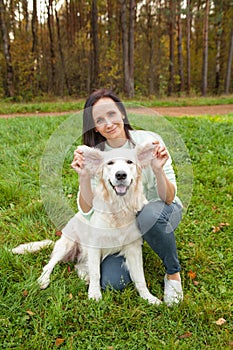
point(160, 47)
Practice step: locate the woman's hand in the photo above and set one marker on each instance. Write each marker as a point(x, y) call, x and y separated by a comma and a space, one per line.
point(78, 163)
point(160, 154)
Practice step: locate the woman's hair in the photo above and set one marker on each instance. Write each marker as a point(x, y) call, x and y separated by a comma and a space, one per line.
point(92, 138)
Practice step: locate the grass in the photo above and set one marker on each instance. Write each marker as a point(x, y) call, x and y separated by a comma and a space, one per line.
point(62, 316)
point(68, 104)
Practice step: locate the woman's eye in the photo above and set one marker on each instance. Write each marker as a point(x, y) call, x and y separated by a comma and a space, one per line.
point(110, 162)
point(99, 121)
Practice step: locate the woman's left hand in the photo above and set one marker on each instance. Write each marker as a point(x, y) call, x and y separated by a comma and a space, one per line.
point(160, 154)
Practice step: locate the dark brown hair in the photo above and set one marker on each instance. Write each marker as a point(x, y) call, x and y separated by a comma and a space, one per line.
point(92, 138)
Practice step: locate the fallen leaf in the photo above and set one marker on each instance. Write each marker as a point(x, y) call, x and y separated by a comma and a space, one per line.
point(195, 283)
point(29, 312)
point(69, 195)
point(25, 293)
point(220, 321)
point(186, 335)
point(222, 224)
point(58, 233)
point(191, 244)
point(215, 229)
point(70, 296)
point(59, 341)
point(192, 274)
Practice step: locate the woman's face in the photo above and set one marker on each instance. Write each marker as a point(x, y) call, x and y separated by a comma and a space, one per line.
point(108, 119)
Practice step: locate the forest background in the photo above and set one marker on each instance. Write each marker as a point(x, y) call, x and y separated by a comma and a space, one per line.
point(148, 48)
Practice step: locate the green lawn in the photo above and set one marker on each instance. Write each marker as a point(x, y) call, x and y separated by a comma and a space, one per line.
point(61, 316)
point(8, 106)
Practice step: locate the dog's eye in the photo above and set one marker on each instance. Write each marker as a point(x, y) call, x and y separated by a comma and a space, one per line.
point(110, 162)
point(129, 162)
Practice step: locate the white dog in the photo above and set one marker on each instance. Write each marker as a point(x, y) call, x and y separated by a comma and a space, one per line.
point(112, 227)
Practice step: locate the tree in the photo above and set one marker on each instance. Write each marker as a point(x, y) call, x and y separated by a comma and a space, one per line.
point(9, 91)
point(205, 49)
point(128, 46)
point(229, 64)
point(95, 43)
point(180, 48)
point(52, 48)
point(171, 33)
point(188, 40)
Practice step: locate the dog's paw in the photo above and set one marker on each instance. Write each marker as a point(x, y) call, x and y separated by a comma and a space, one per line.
point(151, 298)
point(94, 294)
point(43, 282)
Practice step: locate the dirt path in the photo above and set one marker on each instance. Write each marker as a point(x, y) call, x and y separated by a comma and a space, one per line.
point(167, 111)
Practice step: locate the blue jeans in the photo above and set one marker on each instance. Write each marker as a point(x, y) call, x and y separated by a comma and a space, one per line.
point(157, 222)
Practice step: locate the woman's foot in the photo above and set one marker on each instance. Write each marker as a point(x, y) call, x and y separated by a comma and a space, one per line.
point(173, 293)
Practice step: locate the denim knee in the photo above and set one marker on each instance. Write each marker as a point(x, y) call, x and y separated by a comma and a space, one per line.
point(159, 213)
point(113, 272)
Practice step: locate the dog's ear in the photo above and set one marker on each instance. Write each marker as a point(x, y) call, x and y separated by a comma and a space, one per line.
point(144, 153)
point(93, 158)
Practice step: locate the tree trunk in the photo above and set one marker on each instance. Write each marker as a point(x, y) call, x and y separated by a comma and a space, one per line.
point(229, 64)
point(95, 43)
point(205, 50)
point(131, 47)
point(9, 91)
point(171, 47)
point(180, 49)
point(125, 46)
point(188, 29)
point(34, 29)
point(61, 54)
point(52, 50)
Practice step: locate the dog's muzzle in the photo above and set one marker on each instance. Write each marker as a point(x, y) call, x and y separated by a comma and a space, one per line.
point(121, 184)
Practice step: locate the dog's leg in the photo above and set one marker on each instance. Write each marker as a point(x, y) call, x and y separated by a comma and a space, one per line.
point(134, 262)
point(62, 247)
point(94, 257)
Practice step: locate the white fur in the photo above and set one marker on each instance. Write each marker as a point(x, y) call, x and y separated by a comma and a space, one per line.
point(112, 227)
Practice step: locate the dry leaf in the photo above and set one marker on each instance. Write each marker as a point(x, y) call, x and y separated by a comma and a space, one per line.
point(215, 229)
point(192, 274)
point(191, 244)
point(25, 293)
point(186, 335)
point(29, 312)
point(220, 321)
point(70, 296)
point(222, 224)
point(59, 341)
point(195, 283)
point(58, 233)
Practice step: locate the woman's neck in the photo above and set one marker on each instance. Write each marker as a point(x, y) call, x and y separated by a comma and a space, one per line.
point(116, 143)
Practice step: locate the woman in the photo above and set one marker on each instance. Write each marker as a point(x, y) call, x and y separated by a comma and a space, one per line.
point(106, 126)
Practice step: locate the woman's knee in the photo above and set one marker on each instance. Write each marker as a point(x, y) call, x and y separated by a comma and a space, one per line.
point(160, 215)
point(114, 273)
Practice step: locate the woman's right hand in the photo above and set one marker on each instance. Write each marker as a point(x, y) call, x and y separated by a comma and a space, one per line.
point(78, 162)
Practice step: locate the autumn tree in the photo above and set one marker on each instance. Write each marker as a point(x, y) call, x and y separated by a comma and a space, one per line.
point(9, 91)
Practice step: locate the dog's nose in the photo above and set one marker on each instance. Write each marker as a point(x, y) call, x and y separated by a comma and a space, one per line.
point(121, 175)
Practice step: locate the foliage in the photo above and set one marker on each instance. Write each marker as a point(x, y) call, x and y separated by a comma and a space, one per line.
point(61, 316)
point(59, 57)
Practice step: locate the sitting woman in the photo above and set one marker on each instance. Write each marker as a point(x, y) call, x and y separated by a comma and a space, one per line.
point(106, 126)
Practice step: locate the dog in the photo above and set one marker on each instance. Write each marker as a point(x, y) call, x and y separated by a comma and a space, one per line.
point(118, 197)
